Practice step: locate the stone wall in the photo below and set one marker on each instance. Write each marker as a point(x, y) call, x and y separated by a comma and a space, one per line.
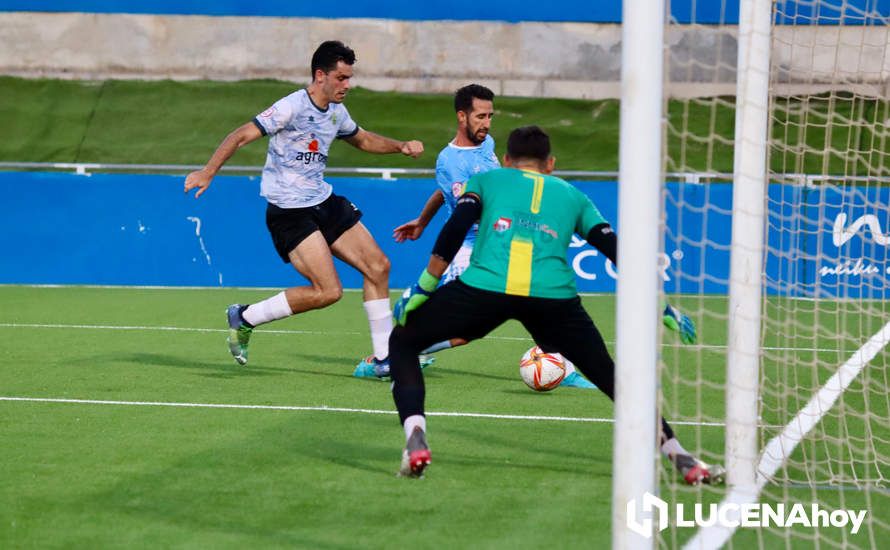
point(575, 60)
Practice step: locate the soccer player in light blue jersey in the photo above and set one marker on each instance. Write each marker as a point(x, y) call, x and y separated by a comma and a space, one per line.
point(309, 224)
point(471, 152)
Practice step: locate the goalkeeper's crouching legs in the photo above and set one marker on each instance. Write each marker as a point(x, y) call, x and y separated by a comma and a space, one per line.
point(408, 392)
point(578, 339)
point(404, 367)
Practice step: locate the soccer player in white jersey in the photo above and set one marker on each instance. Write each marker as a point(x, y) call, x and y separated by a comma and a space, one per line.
point(308, 223)
point(471, 152)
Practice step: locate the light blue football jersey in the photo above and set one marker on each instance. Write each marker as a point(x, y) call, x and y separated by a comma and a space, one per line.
point(455, 165)
point(300, 135)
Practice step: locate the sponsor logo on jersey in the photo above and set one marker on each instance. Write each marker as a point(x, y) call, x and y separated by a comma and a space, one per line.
point(308, 157)
point(312, 155)
point(532, 225)
point(502, 224)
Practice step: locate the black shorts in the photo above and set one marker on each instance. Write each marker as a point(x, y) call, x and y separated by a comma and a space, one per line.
point(290, 226)
point(458, 310)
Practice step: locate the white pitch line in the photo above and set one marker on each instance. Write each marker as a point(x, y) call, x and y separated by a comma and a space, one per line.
point(392, 291)
point(163, 328)
point(200, 329)
point(351, 333)
point(324, 408)
point(780, 447)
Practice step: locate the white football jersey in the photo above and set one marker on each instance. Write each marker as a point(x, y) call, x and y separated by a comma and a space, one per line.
point(300, 135)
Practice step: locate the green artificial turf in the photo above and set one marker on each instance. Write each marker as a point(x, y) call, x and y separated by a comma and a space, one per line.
point(123, 470)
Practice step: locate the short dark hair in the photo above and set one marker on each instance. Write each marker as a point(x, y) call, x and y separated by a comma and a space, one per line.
point(528, 142)
point(329, 53)
point(463, 98)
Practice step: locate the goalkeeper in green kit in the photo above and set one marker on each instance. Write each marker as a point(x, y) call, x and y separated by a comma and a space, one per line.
point(518, 270)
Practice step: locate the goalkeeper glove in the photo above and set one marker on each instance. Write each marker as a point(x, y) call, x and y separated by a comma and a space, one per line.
point(414, 296)
point(678, 322)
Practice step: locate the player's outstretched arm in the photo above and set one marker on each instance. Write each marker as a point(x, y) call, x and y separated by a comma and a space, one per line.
point(604, 239)
point(375, 143)
point(200, 179)
point(450, 238)
point(418, 293)
point(413, 229)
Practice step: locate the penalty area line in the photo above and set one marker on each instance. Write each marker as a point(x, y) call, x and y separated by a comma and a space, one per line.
point(779, 448)
point(323, 408)
point(161, 328)
point(167, 328)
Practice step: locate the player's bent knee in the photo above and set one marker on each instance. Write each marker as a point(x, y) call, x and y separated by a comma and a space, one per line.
point(325, 295)
point(378, 270)
point(331, 295)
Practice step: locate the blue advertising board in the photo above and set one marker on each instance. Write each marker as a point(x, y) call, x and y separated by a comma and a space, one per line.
point(120, 229)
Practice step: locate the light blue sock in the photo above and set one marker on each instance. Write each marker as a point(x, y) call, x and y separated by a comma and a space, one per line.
point(437, 347)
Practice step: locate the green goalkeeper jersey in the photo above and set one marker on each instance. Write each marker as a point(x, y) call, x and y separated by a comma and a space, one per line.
point(527, 223)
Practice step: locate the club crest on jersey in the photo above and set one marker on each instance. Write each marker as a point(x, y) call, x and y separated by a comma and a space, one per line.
point(457, 188)
point(502, 224)
point(268, 112)
point(334, 119)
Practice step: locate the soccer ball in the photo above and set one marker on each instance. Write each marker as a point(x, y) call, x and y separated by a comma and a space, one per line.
point(541, 371)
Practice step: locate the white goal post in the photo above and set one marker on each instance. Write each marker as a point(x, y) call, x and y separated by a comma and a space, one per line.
point(746, 264)
point(639, 195)
point(784, 266)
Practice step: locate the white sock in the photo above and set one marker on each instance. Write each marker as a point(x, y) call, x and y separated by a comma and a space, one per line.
point(270, 309)
point(411, 422)
point(380, 321)
point(672, 447)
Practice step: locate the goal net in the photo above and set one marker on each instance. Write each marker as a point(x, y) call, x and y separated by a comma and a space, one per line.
point(820, 416)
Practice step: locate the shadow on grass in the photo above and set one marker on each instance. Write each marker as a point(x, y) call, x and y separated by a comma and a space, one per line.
point(336, 367)
point(594, 469)
point(477, 374)
point(341, 361)
point(531, 393)
point(568, 451)
point(344, 367)
point(224, 368)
